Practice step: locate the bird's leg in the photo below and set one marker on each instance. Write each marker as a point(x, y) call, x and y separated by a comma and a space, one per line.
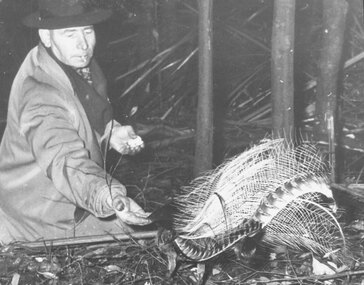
point(165, 239)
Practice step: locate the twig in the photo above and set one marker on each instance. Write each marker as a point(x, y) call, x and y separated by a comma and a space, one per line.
point(155, 63)
point(179, 100)
point(259, 113)
point(86, 239)
point(169, 141)
point(186, 59)
point(233, 30)
point(135, 69)
point(161, 130)
point(120, 40)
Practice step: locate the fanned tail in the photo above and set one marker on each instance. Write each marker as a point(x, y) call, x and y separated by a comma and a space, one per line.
point(274, 186)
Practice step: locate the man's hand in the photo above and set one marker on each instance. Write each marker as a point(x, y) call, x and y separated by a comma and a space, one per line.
point(124, 139)
point(129, 212)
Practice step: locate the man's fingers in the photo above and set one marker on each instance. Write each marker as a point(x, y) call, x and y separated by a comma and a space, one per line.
point(131, 146)
point(142, 221)
point(131, 212)
point(142, 214)
point(134, 219)
point(135, 143)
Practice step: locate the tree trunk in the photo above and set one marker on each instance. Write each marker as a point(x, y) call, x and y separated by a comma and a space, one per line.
point(334, 19)
point(204, 123)
point(282, 67)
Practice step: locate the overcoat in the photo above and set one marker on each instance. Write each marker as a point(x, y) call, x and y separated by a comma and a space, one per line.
point(51, 162)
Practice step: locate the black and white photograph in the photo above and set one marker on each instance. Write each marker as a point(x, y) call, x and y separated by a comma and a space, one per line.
point(162, 142)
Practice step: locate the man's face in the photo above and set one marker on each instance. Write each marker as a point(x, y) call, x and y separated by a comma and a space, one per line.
point(72, 46)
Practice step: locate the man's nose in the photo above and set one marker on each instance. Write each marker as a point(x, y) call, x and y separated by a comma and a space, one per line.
point(82, 42)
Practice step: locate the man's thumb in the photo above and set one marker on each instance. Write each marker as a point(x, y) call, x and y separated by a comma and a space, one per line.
point(132, 134)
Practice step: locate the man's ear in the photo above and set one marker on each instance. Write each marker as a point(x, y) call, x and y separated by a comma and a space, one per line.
point(45, 37)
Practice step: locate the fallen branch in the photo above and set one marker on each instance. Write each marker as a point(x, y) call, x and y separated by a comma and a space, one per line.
point(87, 240)
point(317, 277)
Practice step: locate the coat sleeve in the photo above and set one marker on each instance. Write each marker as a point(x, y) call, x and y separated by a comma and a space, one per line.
point(45, 121)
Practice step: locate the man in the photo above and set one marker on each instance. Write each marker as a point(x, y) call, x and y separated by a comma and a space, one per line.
point(52, 178)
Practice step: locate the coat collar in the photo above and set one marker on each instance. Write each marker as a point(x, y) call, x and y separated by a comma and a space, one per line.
point(49, 66)
point(56, 73)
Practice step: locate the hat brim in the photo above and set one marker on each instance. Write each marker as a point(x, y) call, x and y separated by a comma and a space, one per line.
point(34, 20)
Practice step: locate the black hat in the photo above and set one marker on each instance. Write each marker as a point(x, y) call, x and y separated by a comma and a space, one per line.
point(60, 14)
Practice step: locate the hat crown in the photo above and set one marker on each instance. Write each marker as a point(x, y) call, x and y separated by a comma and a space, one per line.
point(60, 8)
point(60, 14)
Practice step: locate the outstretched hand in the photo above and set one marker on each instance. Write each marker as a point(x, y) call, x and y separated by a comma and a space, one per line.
point(129, 212)
point(125, 141)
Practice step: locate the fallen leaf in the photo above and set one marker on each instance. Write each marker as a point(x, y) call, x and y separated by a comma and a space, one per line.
point(48, 275)
point(15, 279)
point(112, 268)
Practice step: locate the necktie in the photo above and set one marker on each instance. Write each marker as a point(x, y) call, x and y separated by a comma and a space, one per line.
point(85, 74)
